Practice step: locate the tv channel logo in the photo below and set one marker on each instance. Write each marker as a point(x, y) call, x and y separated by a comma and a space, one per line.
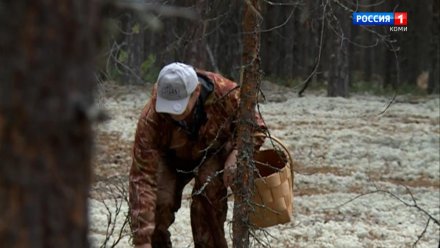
point(397, 21)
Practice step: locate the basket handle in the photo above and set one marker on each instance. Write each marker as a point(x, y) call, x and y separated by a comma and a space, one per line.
point(283, 146)
point(279, 142)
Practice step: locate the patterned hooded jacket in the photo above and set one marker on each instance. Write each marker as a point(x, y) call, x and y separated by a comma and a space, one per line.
point(157, 134)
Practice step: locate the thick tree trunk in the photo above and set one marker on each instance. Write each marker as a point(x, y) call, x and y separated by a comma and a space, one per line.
point(46, 85)
point(249, 90)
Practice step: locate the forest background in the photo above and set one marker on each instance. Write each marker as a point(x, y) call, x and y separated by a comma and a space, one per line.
point(302, 42)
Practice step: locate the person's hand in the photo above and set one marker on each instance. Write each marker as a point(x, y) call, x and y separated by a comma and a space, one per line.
point(230, 169)
point(143, 246)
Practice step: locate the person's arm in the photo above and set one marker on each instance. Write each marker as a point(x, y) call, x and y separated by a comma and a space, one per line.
point(230, 168)
point(230, 165)
point(231, 161)
point(143, 180)
point(261, 128)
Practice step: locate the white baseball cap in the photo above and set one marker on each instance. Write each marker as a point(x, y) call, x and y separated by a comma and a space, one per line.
point(175, 84)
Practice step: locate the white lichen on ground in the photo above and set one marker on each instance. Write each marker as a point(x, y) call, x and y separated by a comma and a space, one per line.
point(345, 150)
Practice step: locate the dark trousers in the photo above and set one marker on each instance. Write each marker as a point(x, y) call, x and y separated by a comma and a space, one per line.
point(209, 201)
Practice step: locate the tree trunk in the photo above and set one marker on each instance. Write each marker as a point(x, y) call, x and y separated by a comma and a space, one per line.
point(249, 90)
point(390, 70)
point(135, 50)
point(288, 43)
point(434, 79)
point(267, 41)
point(415, 45)
point(339, 65)
point(368, 58)
point(195, 52)
point(46, 85)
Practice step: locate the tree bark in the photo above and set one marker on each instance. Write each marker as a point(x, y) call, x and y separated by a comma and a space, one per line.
point(339, 65)
point(135, 49)
point(434, 78)
point(248, 97)
point(195, 52)
point(46, 86)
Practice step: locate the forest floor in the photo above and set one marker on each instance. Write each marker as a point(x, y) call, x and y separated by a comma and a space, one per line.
point(363, 178)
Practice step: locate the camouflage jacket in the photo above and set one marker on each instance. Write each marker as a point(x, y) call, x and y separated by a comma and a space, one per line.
point(157, 134)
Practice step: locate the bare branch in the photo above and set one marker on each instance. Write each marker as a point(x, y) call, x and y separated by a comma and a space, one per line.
point(208, 180)
point(390, 102)
point(422, 234)
point(386, 192)
point(280, 25)
point(318, 60)
point(114, 190)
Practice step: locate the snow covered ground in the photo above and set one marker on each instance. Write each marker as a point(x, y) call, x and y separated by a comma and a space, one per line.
point(362, 176)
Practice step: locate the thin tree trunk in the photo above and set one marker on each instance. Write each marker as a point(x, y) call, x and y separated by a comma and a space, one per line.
point(248, 93)
point(367, 63)
point(288, 43)
point(434, 79)
point(135, 49)
point(339, 65)
point(267, 41)
point(195, 50)
point(46, 85)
